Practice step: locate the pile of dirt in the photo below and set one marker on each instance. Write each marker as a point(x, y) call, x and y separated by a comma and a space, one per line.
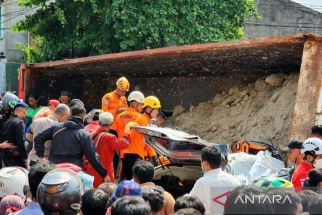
point(261, 111)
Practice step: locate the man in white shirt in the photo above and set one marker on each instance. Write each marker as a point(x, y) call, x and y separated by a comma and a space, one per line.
point(213, 188)
point(61, 114)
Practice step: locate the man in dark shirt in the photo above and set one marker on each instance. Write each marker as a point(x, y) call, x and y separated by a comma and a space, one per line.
point(70, 142)
point(13, 132)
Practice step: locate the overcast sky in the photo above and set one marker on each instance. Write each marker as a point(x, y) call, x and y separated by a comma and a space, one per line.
point(314, 4)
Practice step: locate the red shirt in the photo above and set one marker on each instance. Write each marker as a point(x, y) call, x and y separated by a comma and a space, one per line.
point(106, 144)
point(300, 174)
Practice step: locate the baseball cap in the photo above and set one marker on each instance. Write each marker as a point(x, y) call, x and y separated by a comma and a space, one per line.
point(293, 145)
point(20, 104)
point(53, 102)
point(126, 188)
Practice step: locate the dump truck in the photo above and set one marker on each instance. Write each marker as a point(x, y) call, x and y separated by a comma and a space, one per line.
point(190, 74)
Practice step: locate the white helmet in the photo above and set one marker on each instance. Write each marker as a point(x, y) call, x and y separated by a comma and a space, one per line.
point(14, 180)
point(136, 96)
point(106, 118)
point(312, 144)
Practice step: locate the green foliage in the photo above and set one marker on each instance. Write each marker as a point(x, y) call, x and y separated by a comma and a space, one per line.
point(77, 28)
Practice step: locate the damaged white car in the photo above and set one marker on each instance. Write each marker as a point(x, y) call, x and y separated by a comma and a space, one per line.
point(184, 153)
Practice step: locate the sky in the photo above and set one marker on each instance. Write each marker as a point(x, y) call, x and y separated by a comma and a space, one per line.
point(314, 4)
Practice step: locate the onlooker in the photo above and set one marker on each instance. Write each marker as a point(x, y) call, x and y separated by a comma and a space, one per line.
point(70, 142)
point(161, 117)
point(53, 104)
point(76, 102)
point(154, 196)
point(62, 196)
point(130, 205)
point(237, 201)
point(94, 202)
point(315, 205)
point(306, 197)
point(48, 110)
point(215, 182)
point(33, 108)
point(11, 204)
point(316, 131)
point(187, 211)
point(293, 150)
point(314, 181)
point(105, 144)
point(289, 202)
point(294, 155)
point(189, 202)
point(35, 175)
point(12, 131)
point(108, 188)
point(64, 97)
point(126, 188)
point(6, 145)
point(312, 150)
point(14, 182)
point(143, 173)
point(61, 114)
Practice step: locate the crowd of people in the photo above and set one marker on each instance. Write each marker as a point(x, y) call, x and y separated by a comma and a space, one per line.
point(61, 159)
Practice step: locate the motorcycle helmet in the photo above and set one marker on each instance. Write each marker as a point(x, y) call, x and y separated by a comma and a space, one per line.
point(14, 181)
point(60, 192)
point(272, 182)
point(9, 100)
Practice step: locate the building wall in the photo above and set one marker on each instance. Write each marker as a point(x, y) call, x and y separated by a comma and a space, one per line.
point(283, 17)
point(10, 14)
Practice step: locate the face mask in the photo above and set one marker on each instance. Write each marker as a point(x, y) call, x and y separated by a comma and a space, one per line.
point(318, 164)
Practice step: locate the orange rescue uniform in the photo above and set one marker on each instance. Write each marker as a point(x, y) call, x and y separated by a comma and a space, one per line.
point(137, 144)
point(111, 102)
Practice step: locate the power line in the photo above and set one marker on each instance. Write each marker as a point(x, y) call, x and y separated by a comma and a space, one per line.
point(7, 20)
point(283, 26)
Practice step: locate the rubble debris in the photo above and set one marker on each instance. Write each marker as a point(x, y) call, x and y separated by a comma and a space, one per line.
point(261, 111)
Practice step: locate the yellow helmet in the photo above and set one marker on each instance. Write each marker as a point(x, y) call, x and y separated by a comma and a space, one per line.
point(123, 84)
point(152, 101)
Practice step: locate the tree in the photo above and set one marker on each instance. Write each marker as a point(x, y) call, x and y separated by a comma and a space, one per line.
point(77, 28)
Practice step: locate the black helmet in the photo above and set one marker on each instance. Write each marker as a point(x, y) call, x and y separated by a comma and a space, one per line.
point(9, 100)
point(60, 192)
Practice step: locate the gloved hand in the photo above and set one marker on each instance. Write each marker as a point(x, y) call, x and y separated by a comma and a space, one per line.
point(128, 127)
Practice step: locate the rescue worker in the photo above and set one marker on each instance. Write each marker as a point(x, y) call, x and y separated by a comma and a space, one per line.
point(13, 131)
point(105, 144)
point(312, 150)
point(115, 102)
point(136, 99)
point(138, 149)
